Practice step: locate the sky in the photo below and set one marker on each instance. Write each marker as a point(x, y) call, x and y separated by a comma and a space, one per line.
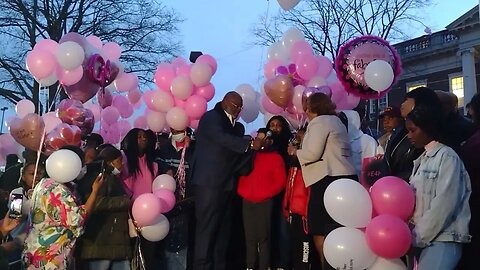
point(223, 29)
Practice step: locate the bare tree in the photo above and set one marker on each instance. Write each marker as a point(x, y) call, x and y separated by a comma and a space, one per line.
point(327, 24)
point(146, 30)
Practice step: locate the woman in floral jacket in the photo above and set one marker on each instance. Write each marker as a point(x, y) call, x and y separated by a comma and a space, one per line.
point(56, 222)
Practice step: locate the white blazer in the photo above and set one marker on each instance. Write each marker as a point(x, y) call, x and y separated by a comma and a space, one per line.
point(325, 150)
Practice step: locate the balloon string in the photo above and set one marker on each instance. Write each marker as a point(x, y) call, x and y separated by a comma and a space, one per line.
point(54, 97)
point(39, 152)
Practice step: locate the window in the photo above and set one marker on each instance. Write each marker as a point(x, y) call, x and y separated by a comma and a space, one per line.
point(382, 104)
point(413, 85)
point(456, 87)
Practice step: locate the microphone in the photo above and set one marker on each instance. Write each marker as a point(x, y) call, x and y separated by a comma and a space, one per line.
point(268, 134)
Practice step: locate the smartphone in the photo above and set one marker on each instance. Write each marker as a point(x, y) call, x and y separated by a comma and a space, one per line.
point(15, 209)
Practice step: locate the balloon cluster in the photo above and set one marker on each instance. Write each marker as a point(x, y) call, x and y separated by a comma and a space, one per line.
point(292, 73)
point(182, 95)
point(368, 66)
point(148, 208)
point(386, 236)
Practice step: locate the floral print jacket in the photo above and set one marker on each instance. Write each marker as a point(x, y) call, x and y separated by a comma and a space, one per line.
point(56, 222)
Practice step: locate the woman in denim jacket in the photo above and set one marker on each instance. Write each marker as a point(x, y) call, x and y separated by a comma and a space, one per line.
point(442, 187)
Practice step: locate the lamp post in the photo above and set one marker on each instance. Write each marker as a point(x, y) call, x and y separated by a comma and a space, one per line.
point(3, 118)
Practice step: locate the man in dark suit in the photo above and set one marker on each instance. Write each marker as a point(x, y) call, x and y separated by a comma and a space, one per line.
point(219, 146)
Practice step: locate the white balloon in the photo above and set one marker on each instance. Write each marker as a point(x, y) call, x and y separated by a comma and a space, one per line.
point(346, 248)
point(201, 73)
point(379, 75)
point(49, 81)
point(277, 51)
point(342, 196)
point(70, 55)
point(246, 91)
point(63, 165)
point(291, 36)
point(388, 264)
point(250, 110)
point(157, 231)
point(164, 181)
point(182, 87)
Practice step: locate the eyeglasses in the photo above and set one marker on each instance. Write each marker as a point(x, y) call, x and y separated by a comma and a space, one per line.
point(237, 107)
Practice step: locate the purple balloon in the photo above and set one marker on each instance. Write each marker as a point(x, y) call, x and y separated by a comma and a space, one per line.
point(312, 90)
point(104, 98)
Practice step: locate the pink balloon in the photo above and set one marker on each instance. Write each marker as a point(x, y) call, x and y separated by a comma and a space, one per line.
point(200, 74)
point(349, 102)
point(307, 66)
point(393, 196)
point(69, 77)
point(209, 60)
point(147, 96)
point(110, 115)
point(104, 98)
point(112, 51)
point(146, 209)
point(124, 127)
point(325, 66)
point(177, 118)
point(179, 61)
point(270, 107)
point(167, 197)
point(134, 96)
point(297, 95)
point(207, 91)
point(270, 68)
point(123, 106)
point(24, 107)
point(47, 45)
point(195, 107)
point(96, 110)
point(179, 103)
point(164, 76)
point(95, 41)
point(194, 123)
point(183, 70)
point(155, 121)
point(126, 82)
point(8, 145)
point(41, 63)
point(140, 122)
point(388, 236)
point(300, 48)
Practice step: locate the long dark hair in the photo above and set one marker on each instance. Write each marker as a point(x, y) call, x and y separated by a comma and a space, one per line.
point(281, 140)
point(132, 152)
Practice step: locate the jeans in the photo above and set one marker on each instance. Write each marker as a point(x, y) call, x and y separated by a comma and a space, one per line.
point(174, 260)
point(106, 264)
point(440, 256)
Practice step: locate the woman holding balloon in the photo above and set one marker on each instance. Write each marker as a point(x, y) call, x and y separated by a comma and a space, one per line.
point(325, 156)
point(141, 169)
point(442, 189)
point(57, 220)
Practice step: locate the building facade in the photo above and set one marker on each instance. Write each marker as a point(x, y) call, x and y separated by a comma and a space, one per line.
point(447, 60)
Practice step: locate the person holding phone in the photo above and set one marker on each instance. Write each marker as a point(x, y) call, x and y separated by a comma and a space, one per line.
point(57, 220)
point(6, 226)
point(106, 243)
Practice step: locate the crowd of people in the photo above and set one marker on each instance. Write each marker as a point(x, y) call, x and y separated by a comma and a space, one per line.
point(248, 203)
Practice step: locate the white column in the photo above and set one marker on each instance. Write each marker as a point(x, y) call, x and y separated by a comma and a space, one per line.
point(468, 70)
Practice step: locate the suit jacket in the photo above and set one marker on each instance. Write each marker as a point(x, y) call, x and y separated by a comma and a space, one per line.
point(219, 146)
point(325, 150)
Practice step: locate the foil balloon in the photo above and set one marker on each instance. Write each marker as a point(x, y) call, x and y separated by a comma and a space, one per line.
point(28, 131)
point(279, 90)
point(61, 135)
point(72, 112)
point(353, 59)
point(312, 90)
point(104, 98)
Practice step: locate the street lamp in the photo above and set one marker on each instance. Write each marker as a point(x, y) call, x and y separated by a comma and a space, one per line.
point(3, 118)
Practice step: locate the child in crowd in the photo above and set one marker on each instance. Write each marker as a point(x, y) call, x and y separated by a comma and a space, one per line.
point(257, 189)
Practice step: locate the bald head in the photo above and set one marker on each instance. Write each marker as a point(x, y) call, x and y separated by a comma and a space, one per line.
point(232, 103)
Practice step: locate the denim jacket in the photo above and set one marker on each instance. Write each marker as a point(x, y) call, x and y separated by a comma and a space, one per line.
point(442, 187)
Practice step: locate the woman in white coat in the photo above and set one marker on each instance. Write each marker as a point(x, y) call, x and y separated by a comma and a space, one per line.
point(325, 156)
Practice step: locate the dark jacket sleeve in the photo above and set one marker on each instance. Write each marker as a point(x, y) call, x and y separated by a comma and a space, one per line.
point(116, 203)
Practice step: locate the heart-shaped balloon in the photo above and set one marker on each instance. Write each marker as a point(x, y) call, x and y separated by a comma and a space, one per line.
point(72, 112)
point(61, 135)
point(28, 131)
point(288, 4)
point(279, 90)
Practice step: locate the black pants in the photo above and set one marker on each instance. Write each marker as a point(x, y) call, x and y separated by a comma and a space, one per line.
point(304, 253)
point(257, 224)
point(149, 252)
point(281, 253)
point(213, 217)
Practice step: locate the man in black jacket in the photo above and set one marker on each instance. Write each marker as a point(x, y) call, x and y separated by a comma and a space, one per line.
point(219, 145)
